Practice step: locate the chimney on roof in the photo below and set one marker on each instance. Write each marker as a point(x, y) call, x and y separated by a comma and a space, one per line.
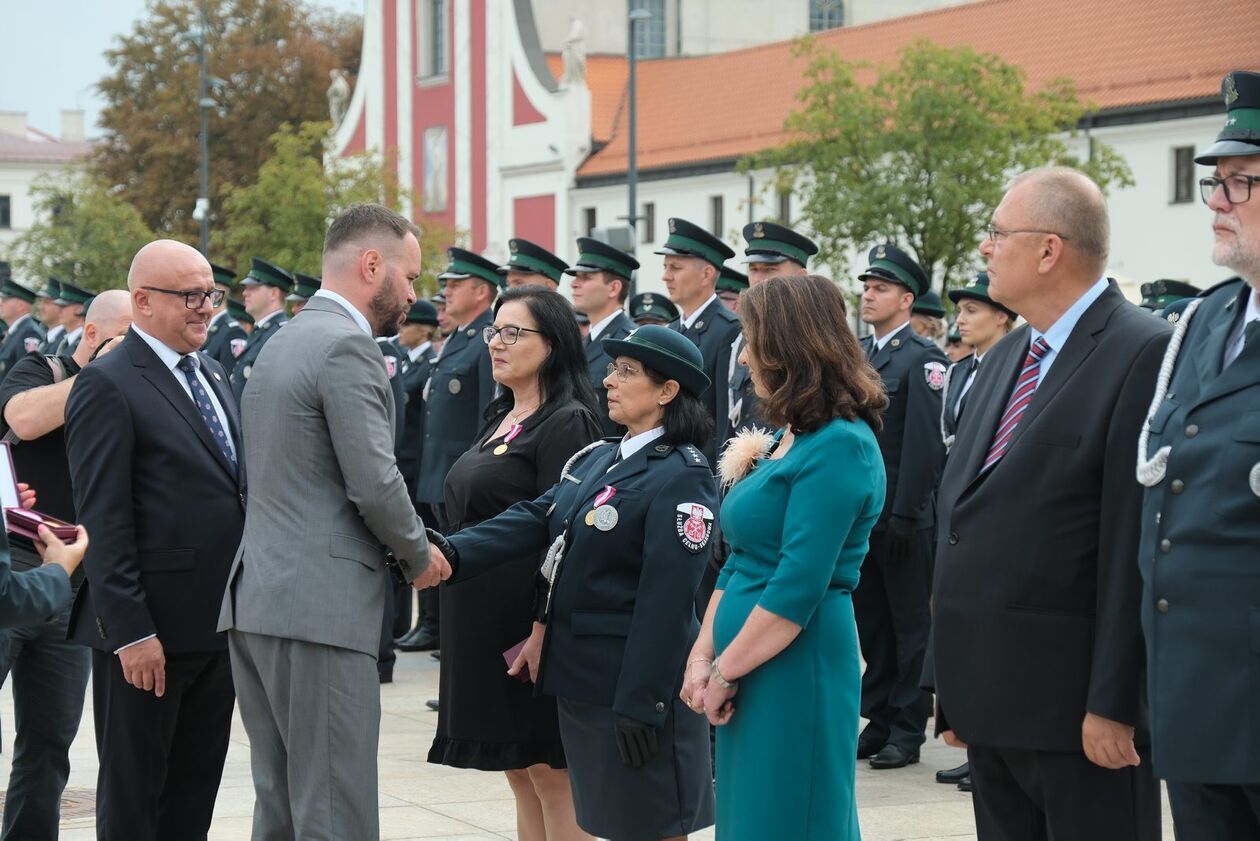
point(72, 126)
point(13, 123)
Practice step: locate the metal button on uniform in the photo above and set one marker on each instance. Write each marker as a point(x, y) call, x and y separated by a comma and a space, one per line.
point(1162, 605)
point(660, 706)
point(1158, 516)
point(1177, 486)
point(1165, 546)
point(1192, 430)
point(953, 538)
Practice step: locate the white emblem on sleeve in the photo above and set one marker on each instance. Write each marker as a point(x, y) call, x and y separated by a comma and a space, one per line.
point(694, 524)
point(934, 373)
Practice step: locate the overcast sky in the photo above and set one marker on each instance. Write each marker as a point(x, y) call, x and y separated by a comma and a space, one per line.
point(51, 53)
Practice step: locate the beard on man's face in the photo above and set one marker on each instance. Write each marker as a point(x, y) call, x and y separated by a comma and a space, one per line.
point(388, 311)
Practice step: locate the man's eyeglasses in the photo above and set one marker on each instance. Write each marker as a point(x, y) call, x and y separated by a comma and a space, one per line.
point(508, 335)
point(1237, 187)
point(624, 371)
point(995, 233)
point(194, 300)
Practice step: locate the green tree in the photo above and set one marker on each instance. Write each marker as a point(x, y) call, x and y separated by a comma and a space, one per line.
point(919, 154)
point(273, 57)
point(85, 233)
point(282, 217)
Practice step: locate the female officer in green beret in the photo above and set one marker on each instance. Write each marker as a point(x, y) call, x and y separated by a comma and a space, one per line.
point(628, 527)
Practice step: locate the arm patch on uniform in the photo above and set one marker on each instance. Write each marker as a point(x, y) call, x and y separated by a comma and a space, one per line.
point(694, 524)
point(237, 346)
point(934, 373)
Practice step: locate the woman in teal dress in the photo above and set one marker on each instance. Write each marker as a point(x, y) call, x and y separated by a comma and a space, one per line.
point(776, 664)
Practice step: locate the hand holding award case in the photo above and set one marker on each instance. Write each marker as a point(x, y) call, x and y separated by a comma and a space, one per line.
point(16, 518)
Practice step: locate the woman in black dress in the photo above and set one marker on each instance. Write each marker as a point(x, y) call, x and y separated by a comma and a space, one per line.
point(490, 718)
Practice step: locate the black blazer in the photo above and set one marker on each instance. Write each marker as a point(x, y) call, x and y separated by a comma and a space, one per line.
point(414, 376)
point(163, 508)
point(597, 361)
point(713, 331)
point(1035, 599)
point(622, 613)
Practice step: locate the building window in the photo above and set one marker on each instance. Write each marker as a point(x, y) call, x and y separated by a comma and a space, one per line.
point(649, 223)
point(431, 25)
point(716, 222)
point(1184, 189)
point(6, 220)
point(649, 35)
point(825, 14)
point(785, 206)
point(588, 220)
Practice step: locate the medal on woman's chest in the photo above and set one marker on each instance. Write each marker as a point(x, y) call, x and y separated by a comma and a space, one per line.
point(602, 515)
point(513, 431)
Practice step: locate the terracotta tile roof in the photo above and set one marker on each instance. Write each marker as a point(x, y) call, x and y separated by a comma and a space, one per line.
point(606, 76)
point(1118, 52)
point(39, 147)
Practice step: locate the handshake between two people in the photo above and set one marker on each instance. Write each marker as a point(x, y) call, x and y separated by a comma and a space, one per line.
point(441, 555)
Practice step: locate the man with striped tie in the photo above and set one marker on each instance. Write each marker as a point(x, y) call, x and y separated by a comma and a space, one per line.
point(1036, 657)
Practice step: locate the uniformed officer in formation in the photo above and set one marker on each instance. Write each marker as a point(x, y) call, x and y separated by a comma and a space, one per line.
point(304, 286)
point(891, 601)
point(693, 262)
point(651, 308)
point(264, 288)
point(1168, 298)
point(50, 315)
point(226, 338)
point(532, 265)
point(927, 317)
point(461, 384)
point(730, 285)
point(74, 302)
point(24, 335)
point(982, 323)
point(1199, 458)
point(601, 280)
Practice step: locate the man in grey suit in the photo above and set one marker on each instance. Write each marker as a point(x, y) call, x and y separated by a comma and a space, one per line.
point(304, 596)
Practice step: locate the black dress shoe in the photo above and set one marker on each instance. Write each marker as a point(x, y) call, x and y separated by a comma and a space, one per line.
point(424, 640)
point(953, 776)
point(965, 784)
point(868, 746)
point(433, 705)
point(410, 632)
point(437, 655)
point(386, 676)
point(893, 756)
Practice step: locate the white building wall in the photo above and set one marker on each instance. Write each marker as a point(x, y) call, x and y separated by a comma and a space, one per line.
point(15, 182)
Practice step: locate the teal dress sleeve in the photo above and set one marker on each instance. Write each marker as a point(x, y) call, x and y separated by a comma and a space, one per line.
point(821, 509)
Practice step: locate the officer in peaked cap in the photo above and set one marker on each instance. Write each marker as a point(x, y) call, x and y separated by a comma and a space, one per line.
point(304, 286)
point(927, 317)
point(652, 308)
point(1199, 458)
point(24, 333)
point(775, 249)
point(74, 303)
point(601, 279)
point(891, 601)
point(1158, 294)
point(223, 326)
point(731, 284)
point(693, 264)
point(50, 314)
point(531, 264)
point(264, 288)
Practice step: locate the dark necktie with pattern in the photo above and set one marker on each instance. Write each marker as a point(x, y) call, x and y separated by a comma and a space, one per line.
point(1025, 386)
point(206, 407)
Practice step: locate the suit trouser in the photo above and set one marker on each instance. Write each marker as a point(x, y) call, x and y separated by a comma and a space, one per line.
point(1203, 812)
point(893, 621)
point(161, 759)
point(1031, 795)
point(313, 715)
point(50, 676)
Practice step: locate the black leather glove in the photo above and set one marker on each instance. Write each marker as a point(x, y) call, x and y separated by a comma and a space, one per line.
point(636, 742)
point(445, 547)
point(900, 538)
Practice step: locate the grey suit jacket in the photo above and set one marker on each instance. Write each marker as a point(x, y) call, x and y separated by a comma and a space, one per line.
point(326, 499)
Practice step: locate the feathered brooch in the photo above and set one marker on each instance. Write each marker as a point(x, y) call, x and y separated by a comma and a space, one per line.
point(741, 452)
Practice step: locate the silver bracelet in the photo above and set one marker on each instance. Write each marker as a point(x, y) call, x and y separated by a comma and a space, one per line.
point(716, 674)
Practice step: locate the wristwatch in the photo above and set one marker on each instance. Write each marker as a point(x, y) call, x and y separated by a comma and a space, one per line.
point(716, 674)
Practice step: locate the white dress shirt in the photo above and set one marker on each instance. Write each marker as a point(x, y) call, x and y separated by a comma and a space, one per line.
point(631, 444)
point(1235, 345)
point(1057, 334)
point(599, 326)
point(691, 319)
point(358, 317)
point(418, 351)
point(887, 337)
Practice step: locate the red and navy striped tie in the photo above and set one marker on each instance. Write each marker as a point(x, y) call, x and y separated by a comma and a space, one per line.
point(1020, 398)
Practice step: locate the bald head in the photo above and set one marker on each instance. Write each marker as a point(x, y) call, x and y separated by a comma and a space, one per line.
point(1069, 203)
point(110, 306)
point(165, 277)
point(161, 259)
point(109, 317)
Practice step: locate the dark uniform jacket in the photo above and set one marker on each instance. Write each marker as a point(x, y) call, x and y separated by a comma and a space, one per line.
point(620, 327)
point(621, 617)
point(24, 336)
point(1035, 597)
point(740, 400)
point(461, 385)
point(415, 375)
point(134, 437)
point(52, 339)
point(253, 346)
point(396, 365)
point(955, 401)
point(1200, 556)
point(219, 345)
point(913, 371)
point(713, 331)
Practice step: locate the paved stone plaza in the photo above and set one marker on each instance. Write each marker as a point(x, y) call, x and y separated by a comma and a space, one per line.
point(419, 800)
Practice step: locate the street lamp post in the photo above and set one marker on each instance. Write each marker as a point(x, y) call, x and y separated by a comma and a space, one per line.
point(632, 164)
point(204, 104)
